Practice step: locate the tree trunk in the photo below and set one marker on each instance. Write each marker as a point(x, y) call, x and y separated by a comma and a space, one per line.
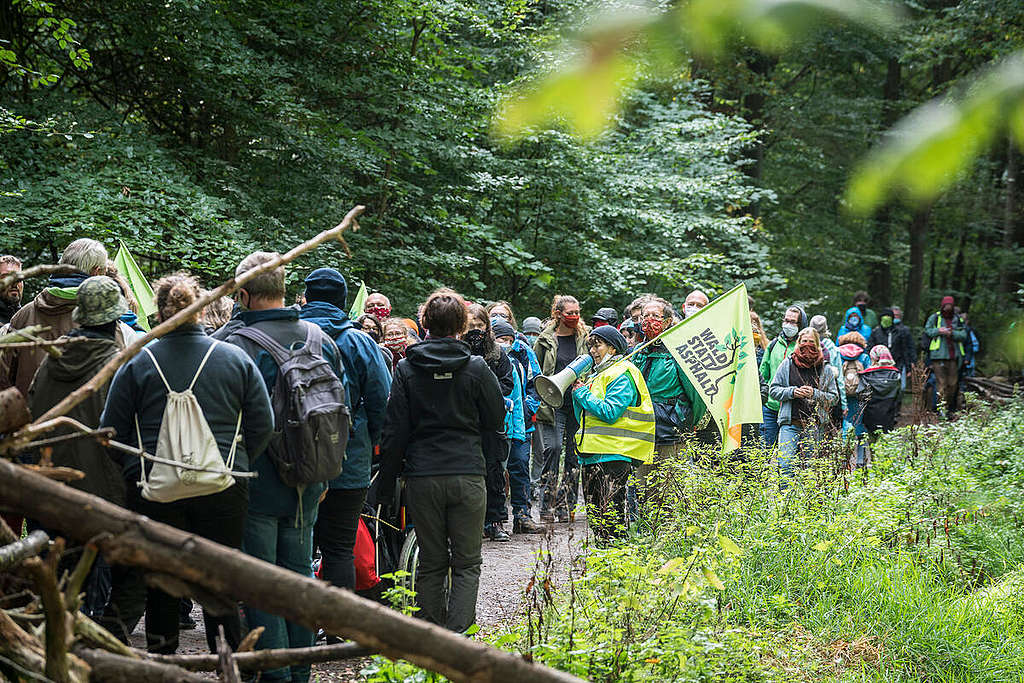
point(126, 538)
point(918, 230)
point(1008, 270)
point(880, 270)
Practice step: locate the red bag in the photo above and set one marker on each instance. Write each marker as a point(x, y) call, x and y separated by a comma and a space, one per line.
point(365, 558)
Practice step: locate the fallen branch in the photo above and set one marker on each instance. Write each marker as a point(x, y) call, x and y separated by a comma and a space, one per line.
point(63, 341)
point(44, 422)
point(44, 575)
point(138, 541)
point(13, 410)
point(225, 659)
point(110, 668)
point(264, 660)
point(30, 546)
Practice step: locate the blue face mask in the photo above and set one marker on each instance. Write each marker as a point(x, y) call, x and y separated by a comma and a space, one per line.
point(532, 338)
point(897, 321)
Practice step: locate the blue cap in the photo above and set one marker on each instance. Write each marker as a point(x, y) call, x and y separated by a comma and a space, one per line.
point(327, 284)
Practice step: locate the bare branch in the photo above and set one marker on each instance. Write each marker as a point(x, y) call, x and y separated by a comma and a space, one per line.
point(14, 276)
point(264, 660)
point(30, 546)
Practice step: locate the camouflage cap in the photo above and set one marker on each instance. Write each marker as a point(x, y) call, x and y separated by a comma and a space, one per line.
point(99, 302)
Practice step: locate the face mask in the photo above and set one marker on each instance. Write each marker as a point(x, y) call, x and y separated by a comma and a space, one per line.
point(571, 321)
point(689, 309)
point(532, 338)
point(897, 321)
point(505, 347)
point(789, 330)
point(599, 323)
point(379, 312)
point(854, 321)
point(652, 327)
point(475, 339)
point(886, 321)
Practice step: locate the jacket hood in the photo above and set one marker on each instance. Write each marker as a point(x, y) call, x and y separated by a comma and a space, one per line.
point(851, 351)
point(81, 359)
point(882, 380)
point(853, 310)
point(439, 355)
point(328, 317)
point(51, 305)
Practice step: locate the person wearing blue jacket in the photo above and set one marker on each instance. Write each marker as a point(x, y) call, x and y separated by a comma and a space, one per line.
point(518, 426)
point(367, 384)
point(853, 321)
point(279, 524)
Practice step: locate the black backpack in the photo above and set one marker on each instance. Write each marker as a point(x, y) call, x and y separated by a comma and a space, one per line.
point(311, 418)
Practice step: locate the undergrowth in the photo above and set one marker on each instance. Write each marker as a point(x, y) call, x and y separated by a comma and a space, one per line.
point(910, 570)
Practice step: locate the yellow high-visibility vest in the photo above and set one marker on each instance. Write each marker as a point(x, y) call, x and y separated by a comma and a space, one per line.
point(937, 340)
point(632, 435)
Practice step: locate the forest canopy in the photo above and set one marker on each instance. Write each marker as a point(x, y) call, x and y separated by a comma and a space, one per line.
point(195, 132)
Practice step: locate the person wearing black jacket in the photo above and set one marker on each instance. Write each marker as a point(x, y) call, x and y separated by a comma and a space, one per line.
point(443, 400)
point(896, 337)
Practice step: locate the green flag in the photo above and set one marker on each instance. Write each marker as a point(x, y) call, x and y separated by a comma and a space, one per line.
point(715, 348)
point(137, 282)
point(359, 302)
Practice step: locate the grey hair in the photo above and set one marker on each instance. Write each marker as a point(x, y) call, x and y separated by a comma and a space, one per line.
point(86, 255)
point(7, 258)
point(267, 285)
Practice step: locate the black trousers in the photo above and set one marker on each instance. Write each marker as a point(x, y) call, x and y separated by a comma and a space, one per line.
point(335, 534)
point(604, 490)
point(219, 517)
point(496, 448)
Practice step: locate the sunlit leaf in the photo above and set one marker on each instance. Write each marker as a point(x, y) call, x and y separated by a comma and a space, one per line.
point(712, 578)
point(729, 546)
point(672, 566)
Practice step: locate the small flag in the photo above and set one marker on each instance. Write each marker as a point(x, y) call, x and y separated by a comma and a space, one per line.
point(359, 302)
point(715, 348)
point(138, 283)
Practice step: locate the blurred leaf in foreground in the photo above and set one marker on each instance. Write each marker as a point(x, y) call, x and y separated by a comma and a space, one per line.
point(928, 149)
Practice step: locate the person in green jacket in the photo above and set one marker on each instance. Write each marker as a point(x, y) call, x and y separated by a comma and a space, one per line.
point(779, 350)
point(678, 407)
point(560, 342)
point(947, 333)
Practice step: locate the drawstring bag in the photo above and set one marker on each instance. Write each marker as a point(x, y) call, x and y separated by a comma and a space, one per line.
point(185, 440)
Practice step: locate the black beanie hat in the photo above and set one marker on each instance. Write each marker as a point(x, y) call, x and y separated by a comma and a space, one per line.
point(611, 335)
point(500, 328)
point(327, 284)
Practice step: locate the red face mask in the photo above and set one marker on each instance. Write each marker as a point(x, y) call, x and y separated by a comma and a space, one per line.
point(599, 323)
point(653, 327)
point(571, 321)
point(379, 311)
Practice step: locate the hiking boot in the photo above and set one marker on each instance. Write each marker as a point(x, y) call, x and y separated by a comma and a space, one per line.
point(496, 532)
point(525, 525)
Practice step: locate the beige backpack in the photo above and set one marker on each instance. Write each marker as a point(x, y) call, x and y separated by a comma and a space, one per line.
point(188, 462)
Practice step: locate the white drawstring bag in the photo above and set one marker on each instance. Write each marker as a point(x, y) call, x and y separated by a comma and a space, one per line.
point(185, 439)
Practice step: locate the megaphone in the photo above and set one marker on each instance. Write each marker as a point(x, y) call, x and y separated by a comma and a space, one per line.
point(552, 389)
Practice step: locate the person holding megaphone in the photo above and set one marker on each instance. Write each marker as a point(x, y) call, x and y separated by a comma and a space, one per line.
point(616, 417)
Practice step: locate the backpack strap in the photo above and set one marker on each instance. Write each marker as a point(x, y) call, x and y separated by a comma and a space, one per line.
point(279, 353)
point(158, 370)
point(202, 363)
point(313, 338)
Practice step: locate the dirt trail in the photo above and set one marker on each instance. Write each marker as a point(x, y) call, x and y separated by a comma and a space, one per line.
point(506, 571)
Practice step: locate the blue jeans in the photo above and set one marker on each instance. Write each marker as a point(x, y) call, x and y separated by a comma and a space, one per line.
point(769, 426)
point(854, 415)
point(279, 541)
point(519, 478)
point(791, 437)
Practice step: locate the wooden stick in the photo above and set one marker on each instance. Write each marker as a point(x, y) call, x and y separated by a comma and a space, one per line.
point(264, 660)
point(137, 541)
point(107, 371)
point(44, 575)
point(225, 661)
point(44, 269)
point(19, 551)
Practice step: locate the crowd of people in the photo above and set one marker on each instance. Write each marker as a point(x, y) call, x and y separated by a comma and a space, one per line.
point(438, 414)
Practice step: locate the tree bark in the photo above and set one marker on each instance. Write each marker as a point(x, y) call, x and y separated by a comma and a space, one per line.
point(13, 410)
point(126, 538)
point(30, 546)
point(880, 270)
point(918, 230)
point(1009, 271)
